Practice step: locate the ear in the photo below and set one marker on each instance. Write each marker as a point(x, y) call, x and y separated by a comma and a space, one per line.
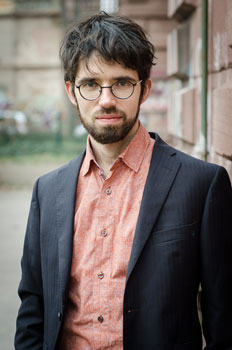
point(147, 90)
point(69, 91)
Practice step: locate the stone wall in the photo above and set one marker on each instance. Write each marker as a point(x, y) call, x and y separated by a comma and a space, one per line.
point(185, 79)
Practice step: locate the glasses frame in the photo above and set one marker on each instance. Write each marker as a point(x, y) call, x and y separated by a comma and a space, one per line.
point(108, 87)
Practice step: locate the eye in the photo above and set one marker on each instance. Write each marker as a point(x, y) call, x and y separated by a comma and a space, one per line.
point(123, 83)
point(89, 85)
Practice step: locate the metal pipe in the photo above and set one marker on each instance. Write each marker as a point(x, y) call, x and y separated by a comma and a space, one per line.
point(204, 65)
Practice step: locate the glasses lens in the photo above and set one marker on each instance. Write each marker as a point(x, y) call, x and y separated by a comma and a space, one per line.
point(122, 89)
point(90, 90)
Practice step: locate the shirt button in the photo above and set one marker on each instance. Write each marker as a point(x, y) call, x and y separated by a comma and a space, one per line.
point(104, 233)
point(100, 319)
point(108, 191)
point(100, 275)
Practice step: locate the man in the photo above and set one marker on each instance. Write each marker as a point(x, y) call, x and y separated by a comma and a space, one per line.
point(119, 240)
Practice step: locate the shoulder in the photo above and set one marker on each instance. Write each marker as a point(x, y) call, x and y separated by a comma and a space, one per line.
point(47, 183)
point(74, 163)
point(189, 165)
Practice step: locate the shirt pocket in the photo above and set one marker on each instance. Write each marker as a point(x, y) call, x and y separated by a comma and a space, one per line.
point(183, 232)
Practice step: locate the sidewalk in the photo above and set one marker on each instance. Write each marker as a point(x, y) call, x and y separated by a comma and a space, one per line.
point(16, 182)
point(14, 206)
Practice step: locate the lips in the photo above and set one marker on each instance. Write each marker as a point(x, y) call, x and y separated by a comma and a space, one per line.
point(109, 118)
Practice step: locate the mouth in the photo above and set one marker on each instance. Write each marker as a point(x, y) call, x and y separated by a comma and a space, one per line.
point(109, 118)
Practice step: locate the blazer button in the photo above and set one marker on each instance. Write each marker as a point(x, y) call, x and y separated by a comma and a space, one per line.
point(59, 316)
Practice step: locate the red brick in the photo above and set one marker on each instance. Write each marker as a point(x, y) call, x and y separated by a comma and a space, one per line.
point(222, 121)
point(160, 69)
point(195, 44)
point(158, 30)
point(175, 5)
point(217, 79)
point(150, 8)
point(220, 54)
point(229, 23)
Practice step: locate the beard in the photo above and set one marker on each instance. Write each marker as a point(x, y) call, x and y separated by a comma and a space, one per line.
point(109, 133)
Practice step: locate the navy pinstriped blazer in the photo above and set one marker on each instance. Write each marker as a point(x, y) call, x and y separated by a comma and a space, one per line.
point(183, 239)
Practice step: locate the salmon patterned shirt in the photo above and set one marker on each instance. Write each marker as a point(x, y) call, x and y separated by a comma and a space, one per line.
point(106, 214)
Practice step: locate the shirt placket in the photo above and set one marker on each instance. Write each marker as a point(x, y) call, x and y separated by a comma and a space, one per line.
point(104, 232)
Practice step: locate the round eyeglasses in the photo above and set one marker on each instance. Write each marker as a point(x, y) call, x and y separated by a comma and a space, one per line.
point(121, 89)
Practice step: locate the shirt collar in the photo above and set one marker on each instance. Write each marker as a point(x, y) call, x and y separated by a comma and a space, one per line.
point(89, 158)
point(132, 156)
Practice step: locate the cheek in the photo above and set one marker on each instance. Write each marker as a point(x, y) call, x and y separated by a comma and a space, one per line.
point(83, 107)
point(132, 107)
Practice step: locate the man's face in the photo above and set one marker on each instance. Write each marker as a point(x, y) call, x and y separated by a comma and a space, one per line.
point(107, 119)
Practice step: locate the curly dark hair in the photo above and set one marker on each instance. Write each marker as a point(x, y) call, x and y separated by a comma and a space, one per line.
point(115, 38)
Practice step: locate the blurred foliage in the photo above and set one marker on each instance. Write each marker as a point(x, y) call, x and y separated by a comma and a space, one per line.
point(51, 144)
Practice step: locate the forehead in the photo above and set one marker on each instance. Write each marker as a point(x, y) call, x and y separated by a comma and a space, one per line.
point(97, 67)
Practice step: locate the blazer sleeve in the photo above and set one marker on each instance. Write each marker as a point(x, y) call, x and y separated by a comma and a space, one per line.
point(29, 325)
point(216, 263)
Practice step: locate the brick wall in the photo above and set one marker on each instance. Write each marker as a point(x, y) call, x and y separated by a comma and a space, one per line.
point(184, 112)
point(220, 83)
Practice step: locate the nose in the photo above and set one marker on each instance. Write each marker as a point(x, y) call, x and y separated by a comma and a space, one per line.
point(107, 99)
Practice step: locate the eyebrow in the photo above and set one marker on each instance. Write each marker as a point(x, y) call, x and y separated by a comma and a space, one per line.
point(121, 77)
point(84, 80)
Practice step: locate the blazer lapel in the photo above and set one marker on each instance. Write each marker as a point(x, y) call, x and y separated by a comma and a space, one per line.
point(65, 206)
point(163, 169)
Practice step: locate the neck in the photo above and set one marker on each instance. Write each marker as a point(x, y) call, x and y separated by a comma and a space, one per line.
point(106, 154)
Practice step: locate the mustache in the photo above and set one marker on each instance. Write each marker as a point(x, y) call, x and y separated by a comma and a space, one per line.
point(108, 111)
